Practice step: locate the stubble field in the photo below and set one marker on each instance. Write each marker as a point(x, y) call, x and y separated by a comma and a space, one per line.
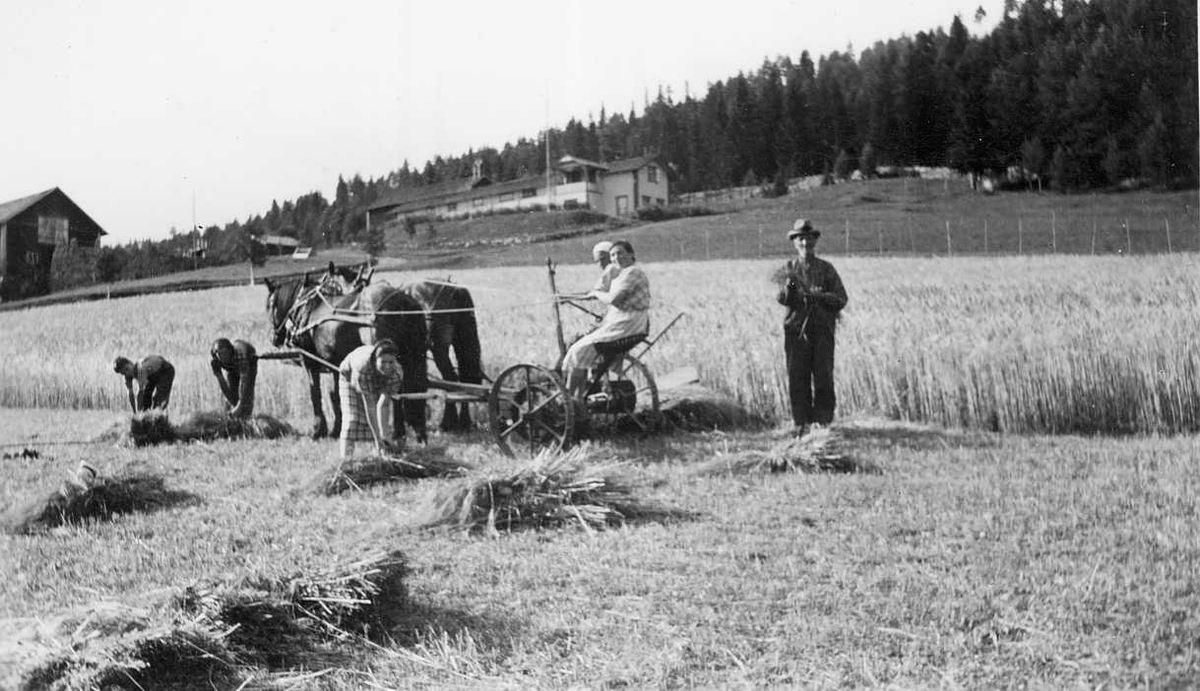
point(975, 558)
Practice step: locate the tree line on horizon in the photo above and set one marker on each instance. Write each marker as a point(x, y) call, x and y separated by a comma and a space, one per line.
point(1075, 94)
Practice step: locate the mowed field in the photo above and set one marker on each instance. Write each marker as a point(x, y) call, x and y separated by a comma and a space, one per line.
point(1002, 542)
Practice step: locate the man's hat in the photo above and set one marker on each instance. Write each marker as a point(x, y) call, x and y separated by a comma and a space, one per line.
point(801, 227)
point(599, 248)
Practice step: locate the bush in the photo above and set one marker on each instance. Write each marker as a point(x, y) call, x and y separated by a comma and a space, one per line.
point(654, 214)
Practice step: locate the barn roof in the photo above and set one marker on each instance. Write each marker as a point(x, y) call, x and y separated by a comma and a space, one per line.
point(10, 209)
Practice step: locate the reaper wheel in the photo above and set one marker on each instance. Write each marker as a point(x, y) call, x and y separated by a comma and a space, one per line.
point(625, 398)
point(529, 410)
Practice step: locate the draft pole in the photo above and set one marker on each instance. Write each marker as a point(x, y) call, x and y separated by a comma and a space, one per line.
point(558, 330)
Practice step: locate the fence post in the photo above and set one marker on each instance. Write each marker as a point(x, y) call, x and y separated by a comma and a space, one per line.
point(948, 252)
point(1168, 222)
point(707, 255)
point(1020, 238)
point(879, 230)
point(760, 244)
point(1093, 235)
point(985, 237)
point(1128, 239)
point(847, 236)
point(1053, 232)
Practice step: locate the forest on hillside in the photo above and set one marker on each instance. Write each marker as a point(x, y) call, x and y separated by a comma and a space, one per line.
point(1078, 95)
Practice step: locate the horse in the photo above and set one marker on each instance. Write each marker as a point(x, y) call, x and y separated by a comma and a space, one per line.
point(450, 315)
point(327, 323)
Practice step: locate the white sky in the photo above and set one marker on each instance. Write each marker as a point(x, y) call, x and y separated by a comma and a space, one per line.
point(133, 107)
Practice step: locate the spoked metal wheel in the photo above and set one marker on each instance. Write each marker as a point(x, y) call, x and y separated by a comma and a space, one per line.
point(529, 410)
point(626, 399)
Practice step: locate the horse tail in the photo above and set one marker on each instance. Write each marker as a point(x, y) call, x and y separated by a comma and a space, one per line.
point(467, 350)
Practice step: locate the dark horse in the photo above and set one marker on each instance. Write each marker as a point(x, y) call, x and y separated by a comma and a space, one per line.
point(451, 322)
point(327, 323)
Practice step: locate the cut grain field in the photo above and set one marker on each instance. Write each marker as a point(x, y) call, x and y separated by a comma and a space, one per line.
point(1022, 344)
point(970, 560)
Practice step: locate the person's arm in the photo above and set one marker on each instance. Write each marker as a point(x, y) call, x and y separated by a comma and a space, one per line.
point(220, 375)
point(245, 396)
point(623, 286)
point(382, 410)
point(372, 413)
point(132, 397)
point(833, 294)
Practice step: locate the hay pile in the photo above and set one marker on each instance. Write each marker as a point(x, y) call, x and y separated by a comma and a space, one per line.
point(356, 474)
point(113, 646)
point(205, 633)
point(154, 427)
point(573, 487)
point(821, 450)
point(693, 408)
point(76, 502)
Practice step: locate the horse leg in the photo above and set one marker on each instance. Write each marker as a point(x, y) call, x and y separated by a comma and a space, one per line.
point(416, 380)
point(320, 429)
point(468, 354)
point(335, 398)
point(440, 339)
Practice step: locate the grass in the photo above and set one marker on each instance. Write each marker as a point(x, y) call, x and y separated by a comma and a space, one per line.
point(970, 560)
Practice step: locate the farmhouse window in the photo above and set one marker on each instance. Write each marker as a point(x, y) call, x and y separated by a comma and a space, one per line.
point(506, 197)
point(478, 201)
point(452, 206)
point(652, 174)
point(529, 192)
point(52, 230)
point(645, 200)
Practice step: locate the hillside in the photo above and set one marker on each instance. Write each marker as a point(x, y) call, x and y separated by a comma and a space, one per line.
point(896, 217)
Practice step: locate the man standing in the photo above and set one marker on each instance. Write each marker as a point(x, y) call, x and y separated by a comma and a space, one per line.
point(154, 376)
point(813, 293)
point(235, 365)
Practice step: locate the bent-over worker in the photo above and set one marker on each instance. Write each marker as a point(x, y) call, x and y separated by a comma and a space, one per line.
point(154, 376)
point(368, 378)
point(235, 365)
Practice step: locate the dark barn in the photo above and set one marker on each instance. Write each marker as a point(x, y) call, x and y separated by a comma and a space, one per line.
point(30, 228)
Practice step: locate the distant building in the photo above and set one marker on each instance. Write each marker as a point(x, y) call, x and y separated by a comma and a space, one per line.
point(30, 230)
point(616, 188)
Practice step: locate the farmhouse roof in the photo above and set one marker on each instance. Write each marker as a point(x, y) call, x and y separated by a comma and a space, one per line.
point(427, 193)
point(10, 209)
point(637, 162)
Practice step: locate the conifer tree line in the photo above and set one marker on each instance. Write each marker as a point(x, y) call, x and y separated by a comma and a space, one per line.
point(1075, 94)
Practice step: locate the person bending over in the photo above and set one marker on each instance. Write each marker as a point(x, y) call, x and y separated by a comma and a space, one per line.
point(154, 376)
point(235, 365)
point(368, 378)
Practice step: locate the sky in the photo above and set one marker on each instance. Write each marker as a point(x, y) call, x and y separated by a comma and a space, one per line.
point(148, 113)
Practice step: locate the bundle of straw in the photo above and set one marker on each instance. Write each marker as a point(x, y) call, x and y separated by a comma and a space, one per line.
point(101, 499)
point(269, 617)
point(213, 425)
point(199, 637)
point(359, 473)
point(113, 646)
point(821, 450)
point(555, 489)
point(153, 427)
